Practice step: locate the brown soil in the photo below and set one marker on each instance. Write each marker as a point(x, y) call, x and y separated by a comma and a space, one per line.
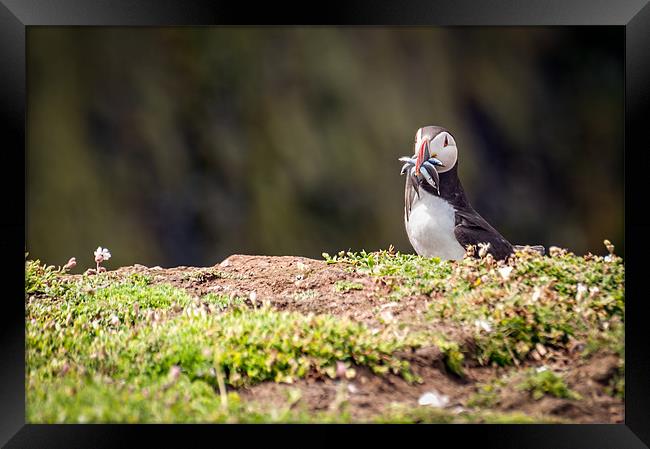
point(308, 286)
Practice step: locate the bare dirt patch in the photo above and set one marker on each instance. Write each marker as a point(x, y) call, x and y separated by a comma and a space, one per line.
point(290, 283)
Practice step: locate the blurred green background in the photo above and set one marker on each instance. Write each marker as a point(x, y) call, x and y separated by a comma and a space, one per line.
point(181, 146)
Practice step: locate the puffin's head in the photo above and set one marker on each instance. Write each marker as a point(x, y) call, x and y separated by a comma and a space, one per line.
point(437, 142)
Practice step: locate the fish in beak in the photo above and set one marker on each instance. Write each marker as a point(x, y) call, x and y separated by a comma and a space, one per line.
point(423, 165)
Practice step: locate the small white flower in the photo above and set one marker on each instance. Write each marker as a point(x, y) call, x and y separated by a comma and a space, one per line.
point(102, 254)
point(537, 293)
point(434, 399)
point(483, 324)
point(484, 248)
point(541, 369)
point(505, 272)
point(582, 289)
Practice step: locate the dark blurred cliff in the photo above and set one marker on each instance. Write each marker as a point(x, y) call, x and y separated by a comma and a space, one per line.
point(182, 146)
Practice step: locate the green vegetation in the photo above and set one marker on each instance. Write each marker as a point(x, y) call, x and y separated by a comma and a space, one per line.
point(43, 279)
point(488, 394)
point(103, 400)
point(135, 334)
point(305, 295)
point(223, 301)
point(546, 382)
point(346, 286)
point(110, 348)
point(527, 305)
point(616, 385)
point(538, 382)
point(426, 415)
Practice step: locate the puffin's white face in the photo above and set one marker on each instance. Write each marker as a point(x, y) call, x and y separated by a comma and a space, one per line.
point(442, 146)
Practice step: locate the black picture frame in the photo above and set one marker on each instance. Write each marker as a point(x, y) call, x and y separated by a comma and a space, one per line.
point(633, 15)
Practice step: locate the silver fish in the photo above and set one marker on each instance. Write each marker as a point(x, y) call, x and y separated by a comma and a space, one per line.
point(425, 172)
point(434, 178)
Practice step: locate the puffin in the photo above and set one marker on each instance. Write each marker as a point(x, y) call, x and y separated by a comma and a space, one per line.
point(440, 221)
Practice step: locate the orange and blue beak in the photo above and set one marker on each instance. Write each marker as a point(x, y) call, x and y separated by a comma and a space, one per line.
point(424, 158)
point(423, 155)
point(422, 165)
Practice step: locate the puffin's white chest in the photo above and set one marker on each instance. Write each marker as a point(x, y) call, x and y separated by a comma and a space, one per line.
point(430, 228)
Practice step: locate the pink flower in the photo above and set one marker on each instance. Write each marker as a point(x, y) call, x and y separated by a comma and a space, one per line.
point(71, 264)
point(174, 373)
point(101, 254)
point(340, 370)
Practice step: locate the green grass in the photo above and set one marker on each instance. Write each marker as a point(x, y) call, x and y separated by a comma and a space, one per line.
point(541, 383)
point(41, 279)
point(405, 273)
point(346, 286)
point(426, 415)
point(537, 383)
point(103, 349)
point(223, 302)
point(305, 295)
point(134, 333)
point(535, 304)
point(250, 346)
point(488, 394)
point(104, 400)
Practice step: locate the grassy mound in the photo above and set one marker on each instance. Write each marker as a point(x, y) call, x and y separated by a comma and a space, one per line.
point(125, 349)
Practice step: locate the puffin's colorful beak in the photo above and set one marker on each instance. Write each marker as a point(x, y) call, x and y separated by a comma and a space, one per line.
point(423, 155)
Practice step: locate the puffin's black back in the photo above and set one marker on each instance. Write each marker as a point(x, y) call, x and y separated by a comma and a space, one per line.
point(471, 228)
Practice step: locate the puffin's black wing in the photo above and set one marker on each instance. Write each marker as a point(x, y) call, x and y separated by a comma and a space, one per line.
point(472, 229)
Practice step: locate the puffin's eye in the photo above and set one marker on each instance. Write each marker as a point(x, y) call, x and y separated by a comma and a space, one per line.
point(446, 142)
